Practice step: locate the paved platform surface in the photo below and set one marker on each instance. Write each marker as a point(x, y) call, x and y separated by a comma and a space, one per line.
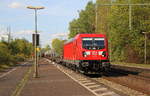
point(53, 82)
point(10, 78)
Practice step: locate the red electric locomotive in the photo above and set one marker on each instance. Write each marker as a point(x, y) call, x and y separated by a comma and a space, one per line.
point(87, 53)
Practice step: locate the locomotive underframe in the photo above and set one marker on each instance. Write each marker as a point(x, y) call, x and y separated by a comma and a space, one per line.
point(94, 65)
point(87, 66)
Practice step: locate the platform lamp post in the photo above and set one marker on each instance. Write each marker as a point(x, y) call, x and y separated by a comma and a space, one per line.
point(145, 49)
point(35, 8)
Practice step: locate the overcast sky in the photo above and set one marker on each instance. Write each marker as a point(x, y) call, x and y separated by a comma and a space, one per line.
point(53, 21)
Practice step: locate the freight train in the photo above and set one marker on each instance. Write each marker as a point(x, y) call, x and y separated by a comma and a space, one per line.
point(87, 53)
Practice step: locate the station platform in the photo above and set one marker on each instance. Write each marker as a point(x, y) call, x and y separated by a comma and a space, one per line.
point(52, 82)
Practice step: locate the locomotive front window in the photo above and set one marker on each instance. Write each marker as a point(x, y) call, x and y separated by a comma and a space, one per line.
point(87, 42)
point(93, 43)
point(98, 43)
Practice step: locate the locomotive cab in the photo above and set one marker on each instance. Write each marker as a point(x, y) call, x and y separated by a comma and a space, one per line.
point(87, 52)
point(95, 54)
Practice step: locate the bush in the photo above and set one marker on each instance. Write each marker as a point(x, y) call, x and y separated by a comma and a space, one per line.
point(15, 51)
point(19, 57)
point(5, 55)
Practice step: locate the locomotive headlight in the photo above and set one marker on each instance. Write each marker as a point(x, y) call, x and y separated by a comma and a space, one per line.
point(87, 52)
point(104, 54)
point(100, 52)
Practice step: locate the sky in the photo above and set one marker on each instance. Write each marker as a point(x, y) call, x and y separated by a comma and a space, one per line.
point(53, 21)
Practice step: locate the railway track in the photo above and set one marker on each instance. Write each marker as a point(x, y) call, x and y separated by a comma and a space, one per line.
point(122, 84)
point(132, 70)
point(138, 75)
point(90, 84)
point(130, 83)
point(145, 74)
point(135, 81)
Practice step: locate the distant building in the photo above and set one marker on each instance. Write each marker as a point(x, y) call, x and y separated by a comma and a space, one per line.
point(4, 38)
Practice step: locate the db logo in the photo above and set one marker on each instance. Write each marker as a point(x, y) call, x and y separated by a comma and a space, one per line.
point(94, 53)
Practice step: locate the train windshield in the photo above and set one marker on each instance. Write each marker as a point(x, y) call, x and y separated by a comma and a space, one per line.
point(93, 43)
point(87, 42)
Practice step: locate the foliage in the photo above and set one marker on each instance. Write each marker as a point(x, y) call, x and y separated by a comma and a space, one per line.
point(57, 46)
point(16, 50)
point(85, 23)
point(5, 54)
point(47, 48)
point(103, 13)
point(127, 45)
point(141, 23)
point(21, 46)
point(119, 33)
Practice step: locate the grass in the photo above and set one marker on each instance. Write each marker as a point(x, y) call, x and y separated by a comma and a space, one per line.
point(4, 66)
point(132, 64)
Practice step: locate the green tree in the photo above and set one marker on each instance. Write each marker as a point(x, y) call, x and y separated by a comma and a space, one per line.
point(5, 54)
point(47, 48)
point(119, 33)
point(141, 23)
point(20, 46)
point(57, 46)
point(85, 23)
point(128, 45)
point(103, 13)
point(14, 51)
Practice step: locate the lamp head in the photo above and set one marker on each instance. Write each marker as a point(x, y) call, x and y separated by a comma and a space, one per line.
point(35, 7)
